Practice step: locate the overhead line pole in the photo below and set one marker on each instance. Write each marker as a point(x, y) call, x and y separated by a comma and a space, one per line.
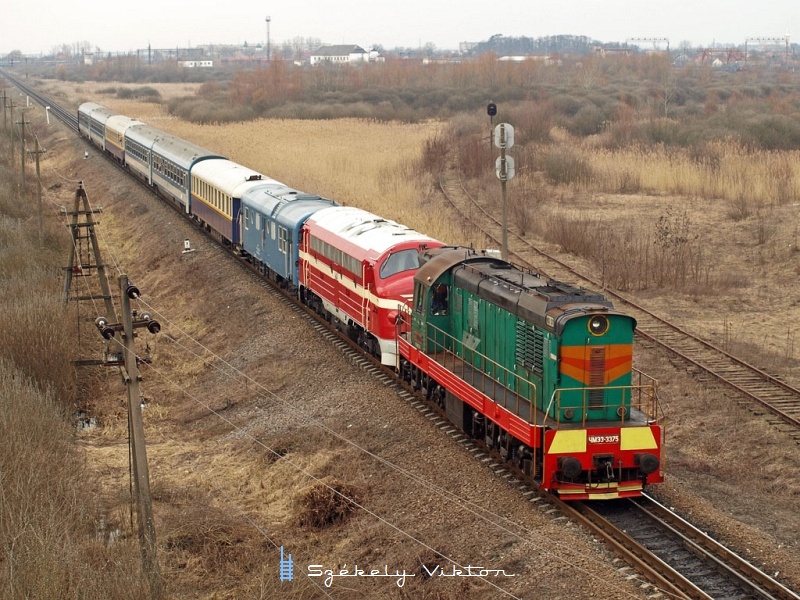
point(141, 475)
point(37, 152)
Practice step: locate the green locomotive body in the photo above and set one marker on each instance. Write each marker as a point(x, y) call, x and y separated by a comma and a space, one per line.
point(544, 371)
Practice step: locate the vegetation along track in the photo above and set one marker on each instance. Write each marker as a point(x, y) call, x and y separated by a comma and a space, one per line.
point(780, 400)
point(641, 557)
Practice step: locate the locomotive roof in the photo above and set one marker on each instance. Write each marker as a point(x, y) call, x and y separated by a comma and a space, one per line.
point(521, 292)
point(363, 229)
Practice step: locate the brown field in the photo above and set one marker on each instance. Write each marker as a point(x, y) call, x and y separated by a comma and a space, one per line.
point(223, 499)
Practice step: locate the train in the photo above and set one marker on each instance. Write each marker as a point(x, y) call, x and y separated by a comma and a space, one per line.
point(539, 371)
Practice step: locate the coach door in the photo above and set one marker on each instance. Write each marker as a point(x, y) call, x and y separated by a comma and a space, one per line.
point(284, 246)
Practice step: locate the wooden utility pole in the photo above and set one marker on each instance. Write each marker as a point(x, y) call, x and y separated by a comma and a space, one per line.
point(37, 152)
point(11, 110)
point(22, 124)
point(141, 476)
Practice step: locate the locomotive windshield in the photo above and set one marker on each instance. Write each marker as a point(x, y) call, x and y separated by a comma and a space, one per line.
point(400, 261)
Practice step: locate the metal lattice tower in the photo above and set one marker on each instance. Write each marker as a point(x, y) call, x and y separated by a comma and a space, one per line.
point(85, 258)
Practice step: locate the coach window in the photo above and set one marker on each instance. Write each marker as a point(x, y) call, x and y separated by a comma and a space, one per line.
point(283, 240)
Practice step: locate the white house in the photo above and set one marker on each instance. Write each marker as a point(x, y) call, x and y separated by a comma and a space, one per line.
point(192, 64)
point(339, 55)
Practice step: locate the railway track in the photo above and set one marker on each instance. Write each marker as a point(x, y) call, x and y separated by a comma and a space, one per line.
point(762, 392)
point(676, 580)
point(694, 562)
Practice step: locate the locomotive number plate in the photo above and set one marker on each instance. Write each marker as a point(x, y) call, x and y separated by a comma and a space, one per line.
point(604, 439)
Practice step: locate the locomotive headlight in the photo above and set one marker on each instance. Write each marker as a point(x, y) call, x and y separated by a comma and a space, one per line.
point(598, 325)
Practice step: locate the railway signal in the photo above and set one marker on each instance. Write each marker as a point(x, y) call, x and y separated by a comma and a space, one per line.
point(504, 168)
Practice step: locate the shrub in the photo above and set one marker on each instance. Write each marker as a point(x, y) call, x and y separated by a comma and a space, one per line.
point(476, 156)
point(326, 504)
point(564, 166)
point(772, 132)
point(589, 120)
point(434, 154)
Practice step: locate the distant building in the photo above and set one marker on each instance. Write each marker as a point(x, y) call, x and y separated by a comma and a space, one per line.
point(339, 55)
point(192, 64)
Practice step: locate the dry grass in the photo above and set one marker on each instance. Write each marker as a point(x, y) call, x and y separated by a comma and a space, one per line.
point(58, 537)
point(719, 171)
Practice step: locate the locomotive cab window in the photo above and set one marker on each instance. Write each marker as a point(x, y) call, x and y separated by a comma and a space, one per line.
point(440, 300)
point(397, 262)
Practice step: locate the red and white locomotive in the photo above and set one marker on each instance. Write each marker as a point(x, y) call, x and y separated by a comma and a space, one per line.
point(357, 269)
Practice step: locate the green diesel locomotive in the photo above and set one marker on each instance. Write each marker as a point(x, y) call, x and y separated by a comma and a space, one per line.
point(539, 370)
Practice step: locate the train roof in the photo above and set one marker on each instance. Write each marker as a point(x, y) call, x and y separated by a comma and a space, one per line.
point(182, 153)
point(120, 123)
point(231, 178)
point(146, 135)
point(87, 107)
point(101, 114)
point(287, 206)
point(345, 226)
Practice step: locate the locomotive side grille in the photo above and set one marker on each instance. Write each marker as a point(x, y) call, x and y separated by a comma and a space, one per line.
point(597, 370)
point(530, 347)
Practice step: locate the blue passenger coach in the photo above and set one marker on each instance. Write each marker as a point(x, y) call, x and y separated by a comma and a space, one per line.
point(84, 117)
point(139, 140)
point(271, 222)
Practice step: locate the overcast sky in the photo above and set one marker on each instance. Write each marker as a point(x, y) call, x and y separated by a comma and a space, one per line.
point(37, 27)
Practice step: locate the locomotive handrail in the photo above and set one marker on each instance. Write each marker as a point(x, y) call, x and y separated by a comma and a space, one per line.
point(480, 379)
point(646, 401)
